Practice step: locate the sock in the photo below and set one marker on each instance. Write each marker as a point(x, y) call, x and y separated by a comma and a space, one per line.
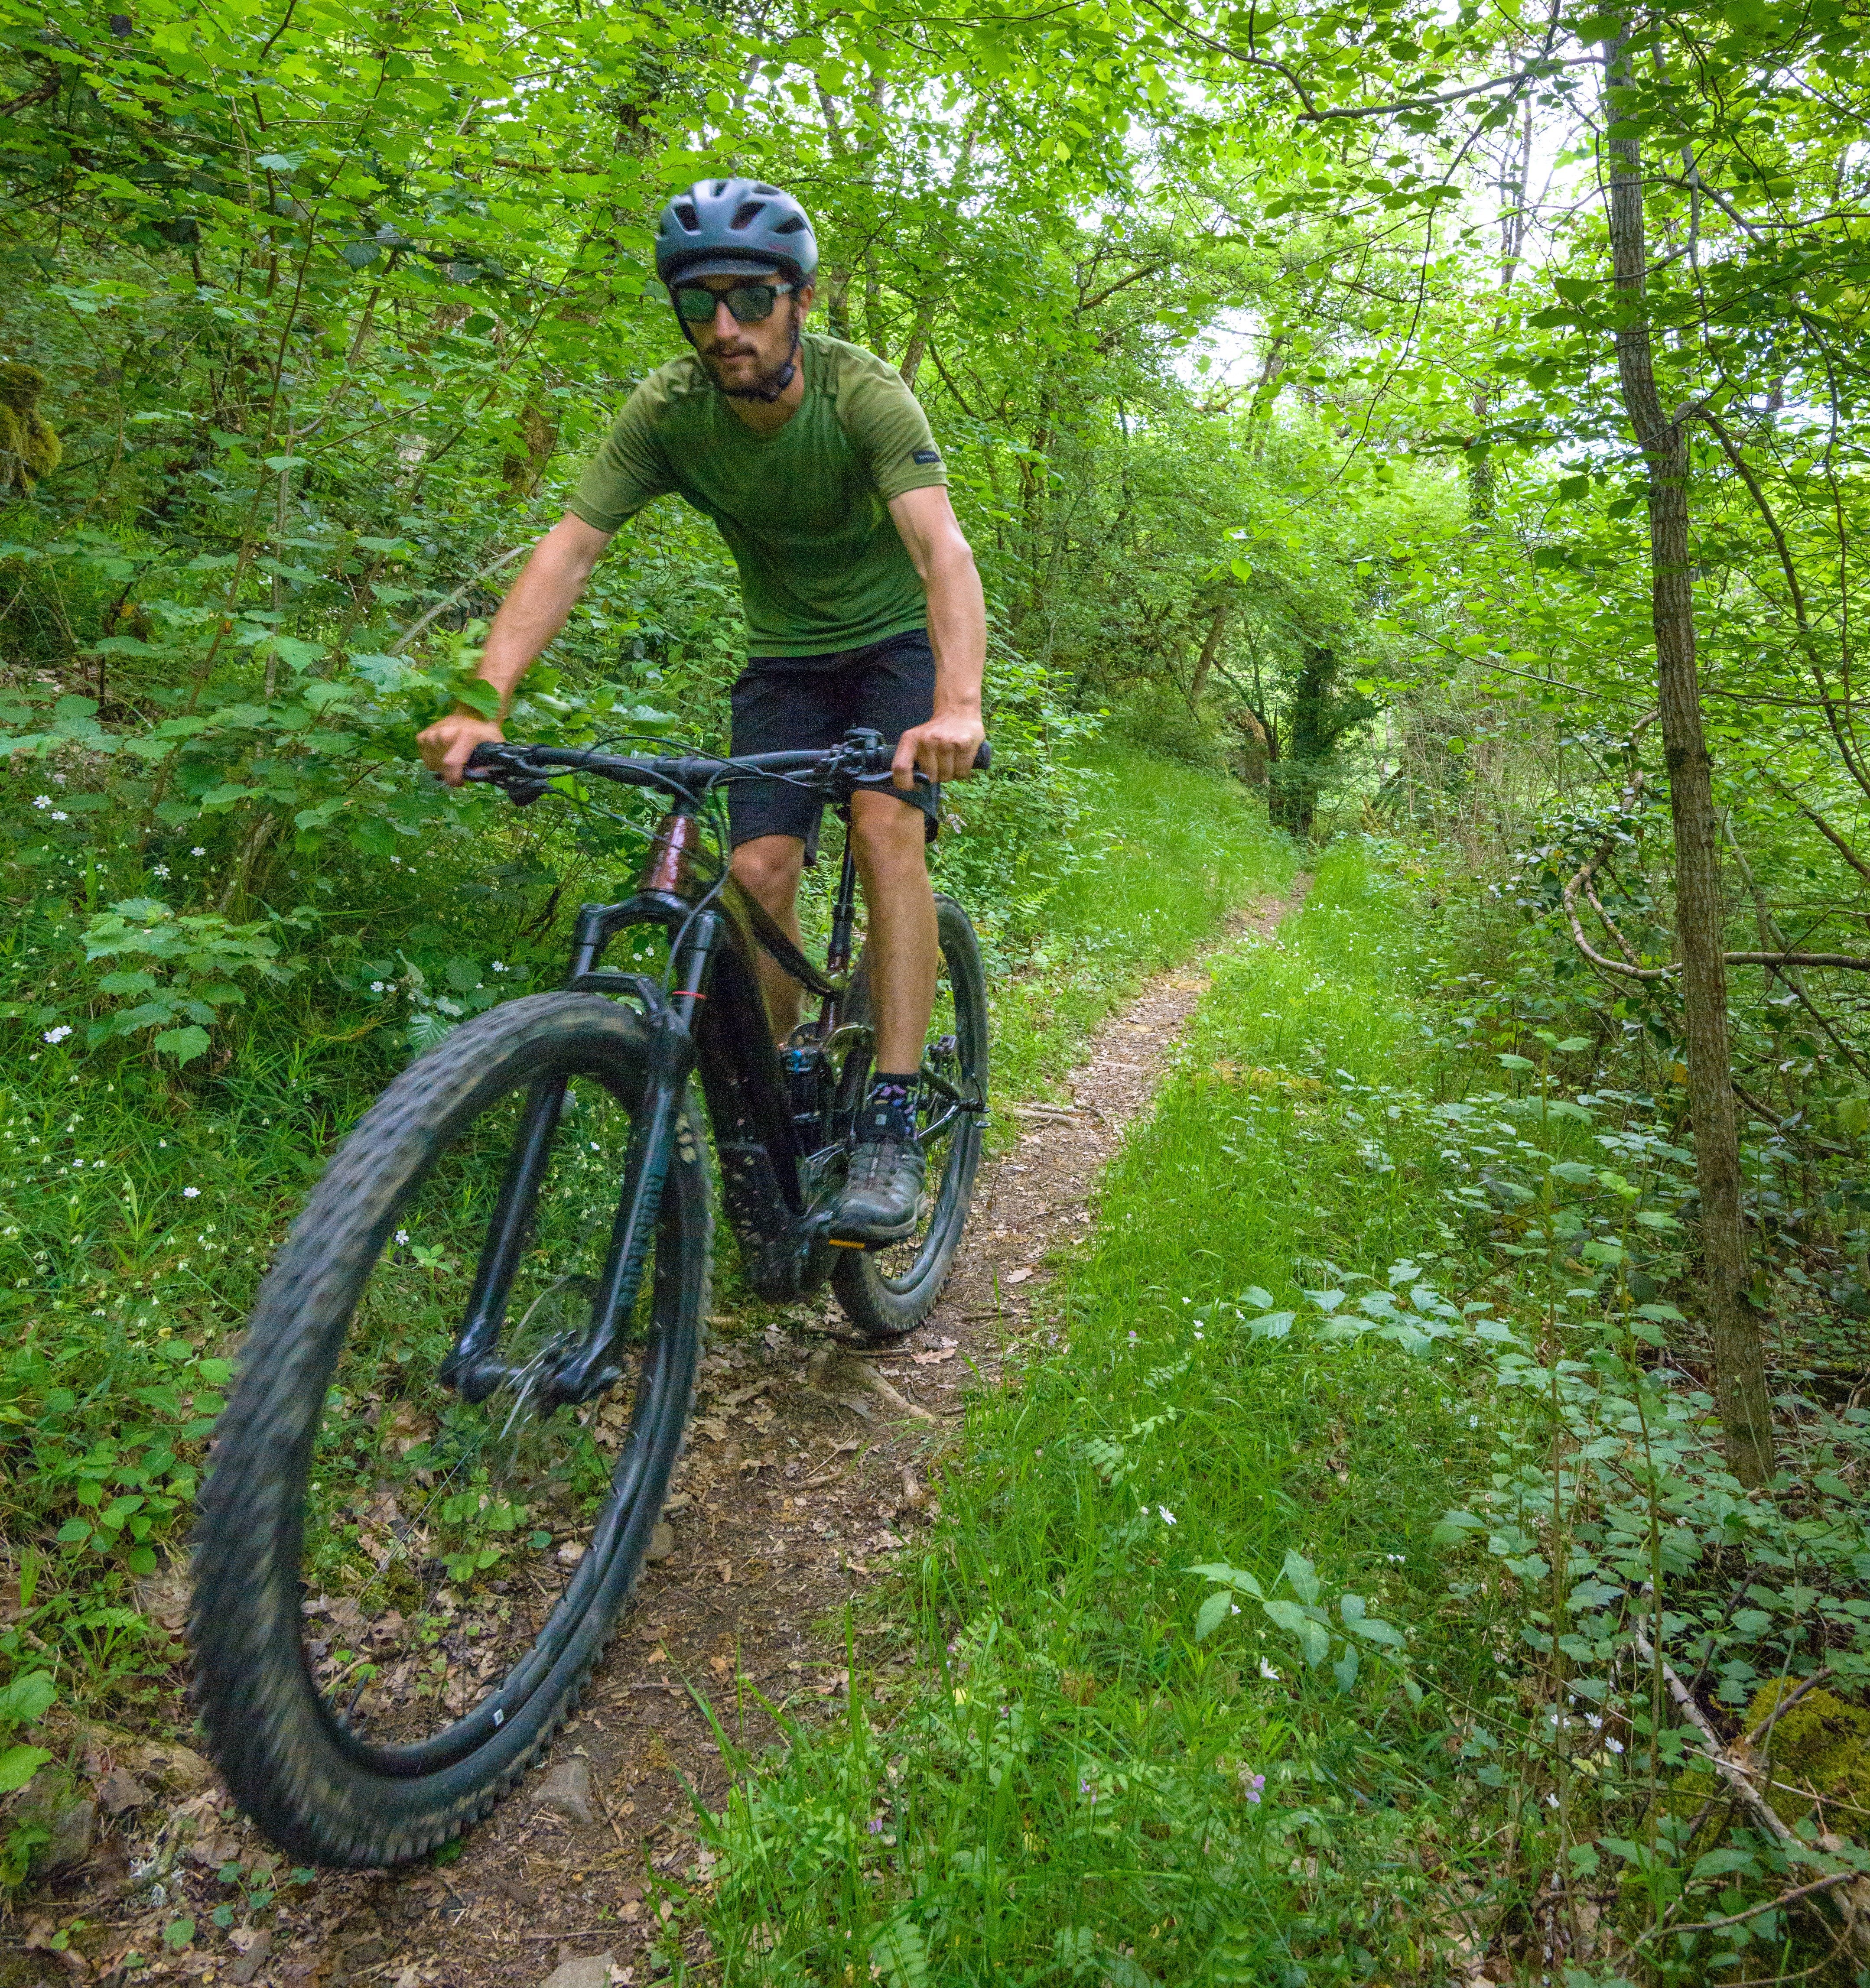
point(889, 1110)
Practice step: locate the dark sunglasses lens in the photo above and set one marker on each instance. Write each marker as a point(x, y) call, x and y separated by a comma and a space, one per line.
point(751, 302)
point(694, 304)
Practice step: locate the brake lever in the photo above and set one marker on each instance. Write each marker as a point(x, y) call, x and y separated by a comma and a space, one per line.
point(520, 783)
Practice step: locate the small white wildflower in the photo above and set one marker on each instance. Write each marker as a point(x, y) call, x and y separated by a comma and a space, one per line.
point(376, 986)
point(1473, 1422)
point(160, 869)
point(1613, 1745)
point(1267, 1671)
point(1233, 1608)
point(499, 966)
point(1551, 1801)
point(1169, 1517)
point(402, 1235)
point(58, 814)
point(197, 851)
point(41, 800)
point(189, 1193)
point(57, 1034)
point(58, 779)
point(1394, 1560)
point(1199, 1333)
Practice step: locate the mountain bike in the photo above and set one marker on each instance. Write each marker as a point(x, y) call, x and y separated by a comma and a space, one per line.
point(469, 1372)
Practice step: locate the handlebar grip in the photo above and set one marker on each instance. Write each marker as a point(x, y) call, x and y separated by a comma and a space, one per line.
point(982, 759)
point(482, 761)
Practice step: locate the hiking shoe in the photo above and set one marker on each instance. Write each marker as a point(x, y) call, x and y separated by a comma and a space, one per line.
point(882, 1191)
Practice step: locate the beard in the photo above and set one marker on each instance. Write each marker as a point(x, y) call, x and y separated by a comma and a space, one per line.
point(768, 382)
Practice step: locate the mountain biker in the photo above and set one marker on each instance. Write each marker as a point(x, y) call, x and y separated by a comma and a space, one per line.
point(862, 602)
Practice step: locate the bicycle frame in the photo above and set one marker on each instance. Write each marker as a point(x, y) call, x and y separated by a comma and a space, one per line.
point(712, 1022)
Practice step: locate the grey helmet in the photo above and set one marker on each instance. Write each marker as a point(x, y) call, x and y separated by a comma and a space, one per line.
point(723, 228)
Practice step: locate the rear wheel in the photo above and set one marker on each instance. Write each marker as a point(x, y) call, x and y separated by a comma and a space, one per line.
point(887, 1293)
point(399, 1592)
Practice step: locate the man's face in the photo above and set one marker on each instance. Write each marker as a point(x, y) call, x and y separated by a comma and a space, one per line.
point(743, 357)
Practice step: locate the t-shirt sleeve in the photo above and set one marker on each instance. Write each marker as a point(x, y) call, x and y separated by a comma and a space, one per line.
point(628, 470)
point(886, 422)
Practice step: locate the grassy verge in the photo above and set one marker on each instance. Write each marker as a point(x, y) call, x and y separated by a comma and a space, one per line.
point(1323, 1595)
point(1162, 1727)
point(1157, 854)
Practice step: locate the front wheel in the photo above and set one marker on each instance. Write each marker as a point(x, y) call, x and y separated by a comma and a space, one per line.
point(399, 1591)
point(887, 1293)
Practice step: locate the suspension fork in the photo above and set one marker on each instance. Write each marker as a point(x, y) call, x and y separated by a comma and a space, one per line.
point(587, 1367)
point(473, 1366)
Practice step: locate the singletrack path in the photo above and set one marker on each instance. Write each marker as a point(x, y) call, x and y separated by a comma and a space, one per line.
point(810, 1465)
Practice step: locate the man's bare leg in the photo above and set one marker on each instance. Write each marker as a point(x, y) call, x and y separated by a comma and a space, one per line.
point(892, 861)
point(768, 868)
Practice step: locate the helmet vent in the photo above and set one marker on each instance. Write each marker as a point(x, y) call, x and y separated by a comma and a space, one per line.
point(747, 214)
point(770, 192)
point(686, 214)
point(791, 224)
point(721, 187)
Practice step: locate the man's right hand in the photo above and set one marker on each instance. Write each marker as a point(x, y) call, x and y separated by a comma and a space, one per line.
point(446, 743)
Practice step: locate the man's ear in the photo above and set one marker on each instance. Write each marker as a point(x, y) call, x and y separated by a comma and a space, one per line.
point(807, 295)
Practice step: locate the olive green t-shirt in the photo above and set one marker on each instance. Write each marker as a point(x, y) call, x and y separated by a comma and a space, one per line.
point(823, 566)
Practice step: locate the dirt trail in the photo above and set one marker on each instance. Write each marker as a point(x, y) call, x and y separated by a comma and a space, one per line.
point(807, 1472)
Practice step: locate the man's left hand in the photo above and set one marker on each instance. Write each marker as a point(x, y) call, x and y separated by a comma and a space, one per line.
point(944, 749)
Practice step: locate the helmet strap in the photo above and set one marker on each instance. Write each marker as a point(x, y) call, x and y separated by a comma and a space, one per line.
point(781, 380)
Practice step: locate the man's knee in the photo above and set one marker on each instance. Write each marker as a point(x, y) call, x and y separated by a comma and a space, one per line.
point(770, 866)
point(889, 834)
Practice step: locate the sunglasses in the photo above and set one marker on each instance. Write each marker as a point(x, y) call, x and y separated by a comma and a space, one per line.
point(747, 303)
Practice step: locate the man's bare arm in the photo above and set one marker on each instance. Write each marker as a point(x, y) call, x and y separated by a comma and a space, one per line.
point(945, 747)
point(535, 610)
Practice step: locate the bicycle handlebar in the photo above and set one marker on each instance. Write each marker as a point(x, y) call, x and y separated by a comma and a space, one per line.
point(524, 770)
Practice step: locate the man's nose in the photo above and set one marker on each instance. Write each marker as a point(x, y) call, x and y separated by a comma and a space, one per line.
point(725, 325)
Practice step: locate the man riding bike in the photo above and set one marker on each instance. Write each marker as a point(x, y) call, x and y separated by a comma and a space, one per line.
point(862, 602)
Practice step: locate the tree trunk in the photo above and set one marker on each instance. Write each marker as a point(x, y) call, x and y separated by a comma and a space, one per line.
point(1204, 663)
point(1258, 746)
point(1310, 737)
point(1739, 1352)
point(1482, 482)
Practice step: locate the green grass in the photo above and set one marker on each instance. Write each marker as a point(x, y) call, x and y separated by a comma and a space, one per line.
point(1065, 1790)
point(1158, 855)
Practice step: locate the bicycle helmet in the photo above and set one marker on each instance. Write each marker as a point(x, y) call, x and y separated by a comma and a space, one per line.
point(727, 227)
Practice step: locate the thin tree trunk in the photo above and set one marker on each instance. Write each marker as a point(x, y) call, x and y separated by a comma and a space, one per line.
point(1210, 647)
point(1739, 1352)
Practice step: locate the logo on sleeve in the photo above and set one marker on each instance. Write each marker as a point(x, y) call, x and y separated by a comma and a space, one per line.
point(925, 456)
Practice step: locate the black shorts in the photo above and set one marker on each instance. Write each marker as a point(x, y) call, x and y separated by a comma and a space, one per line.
point(787, 703)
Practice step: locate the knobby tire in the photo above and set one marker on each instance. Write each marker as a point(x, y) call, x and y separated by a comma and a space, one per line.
point(320, 1791)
